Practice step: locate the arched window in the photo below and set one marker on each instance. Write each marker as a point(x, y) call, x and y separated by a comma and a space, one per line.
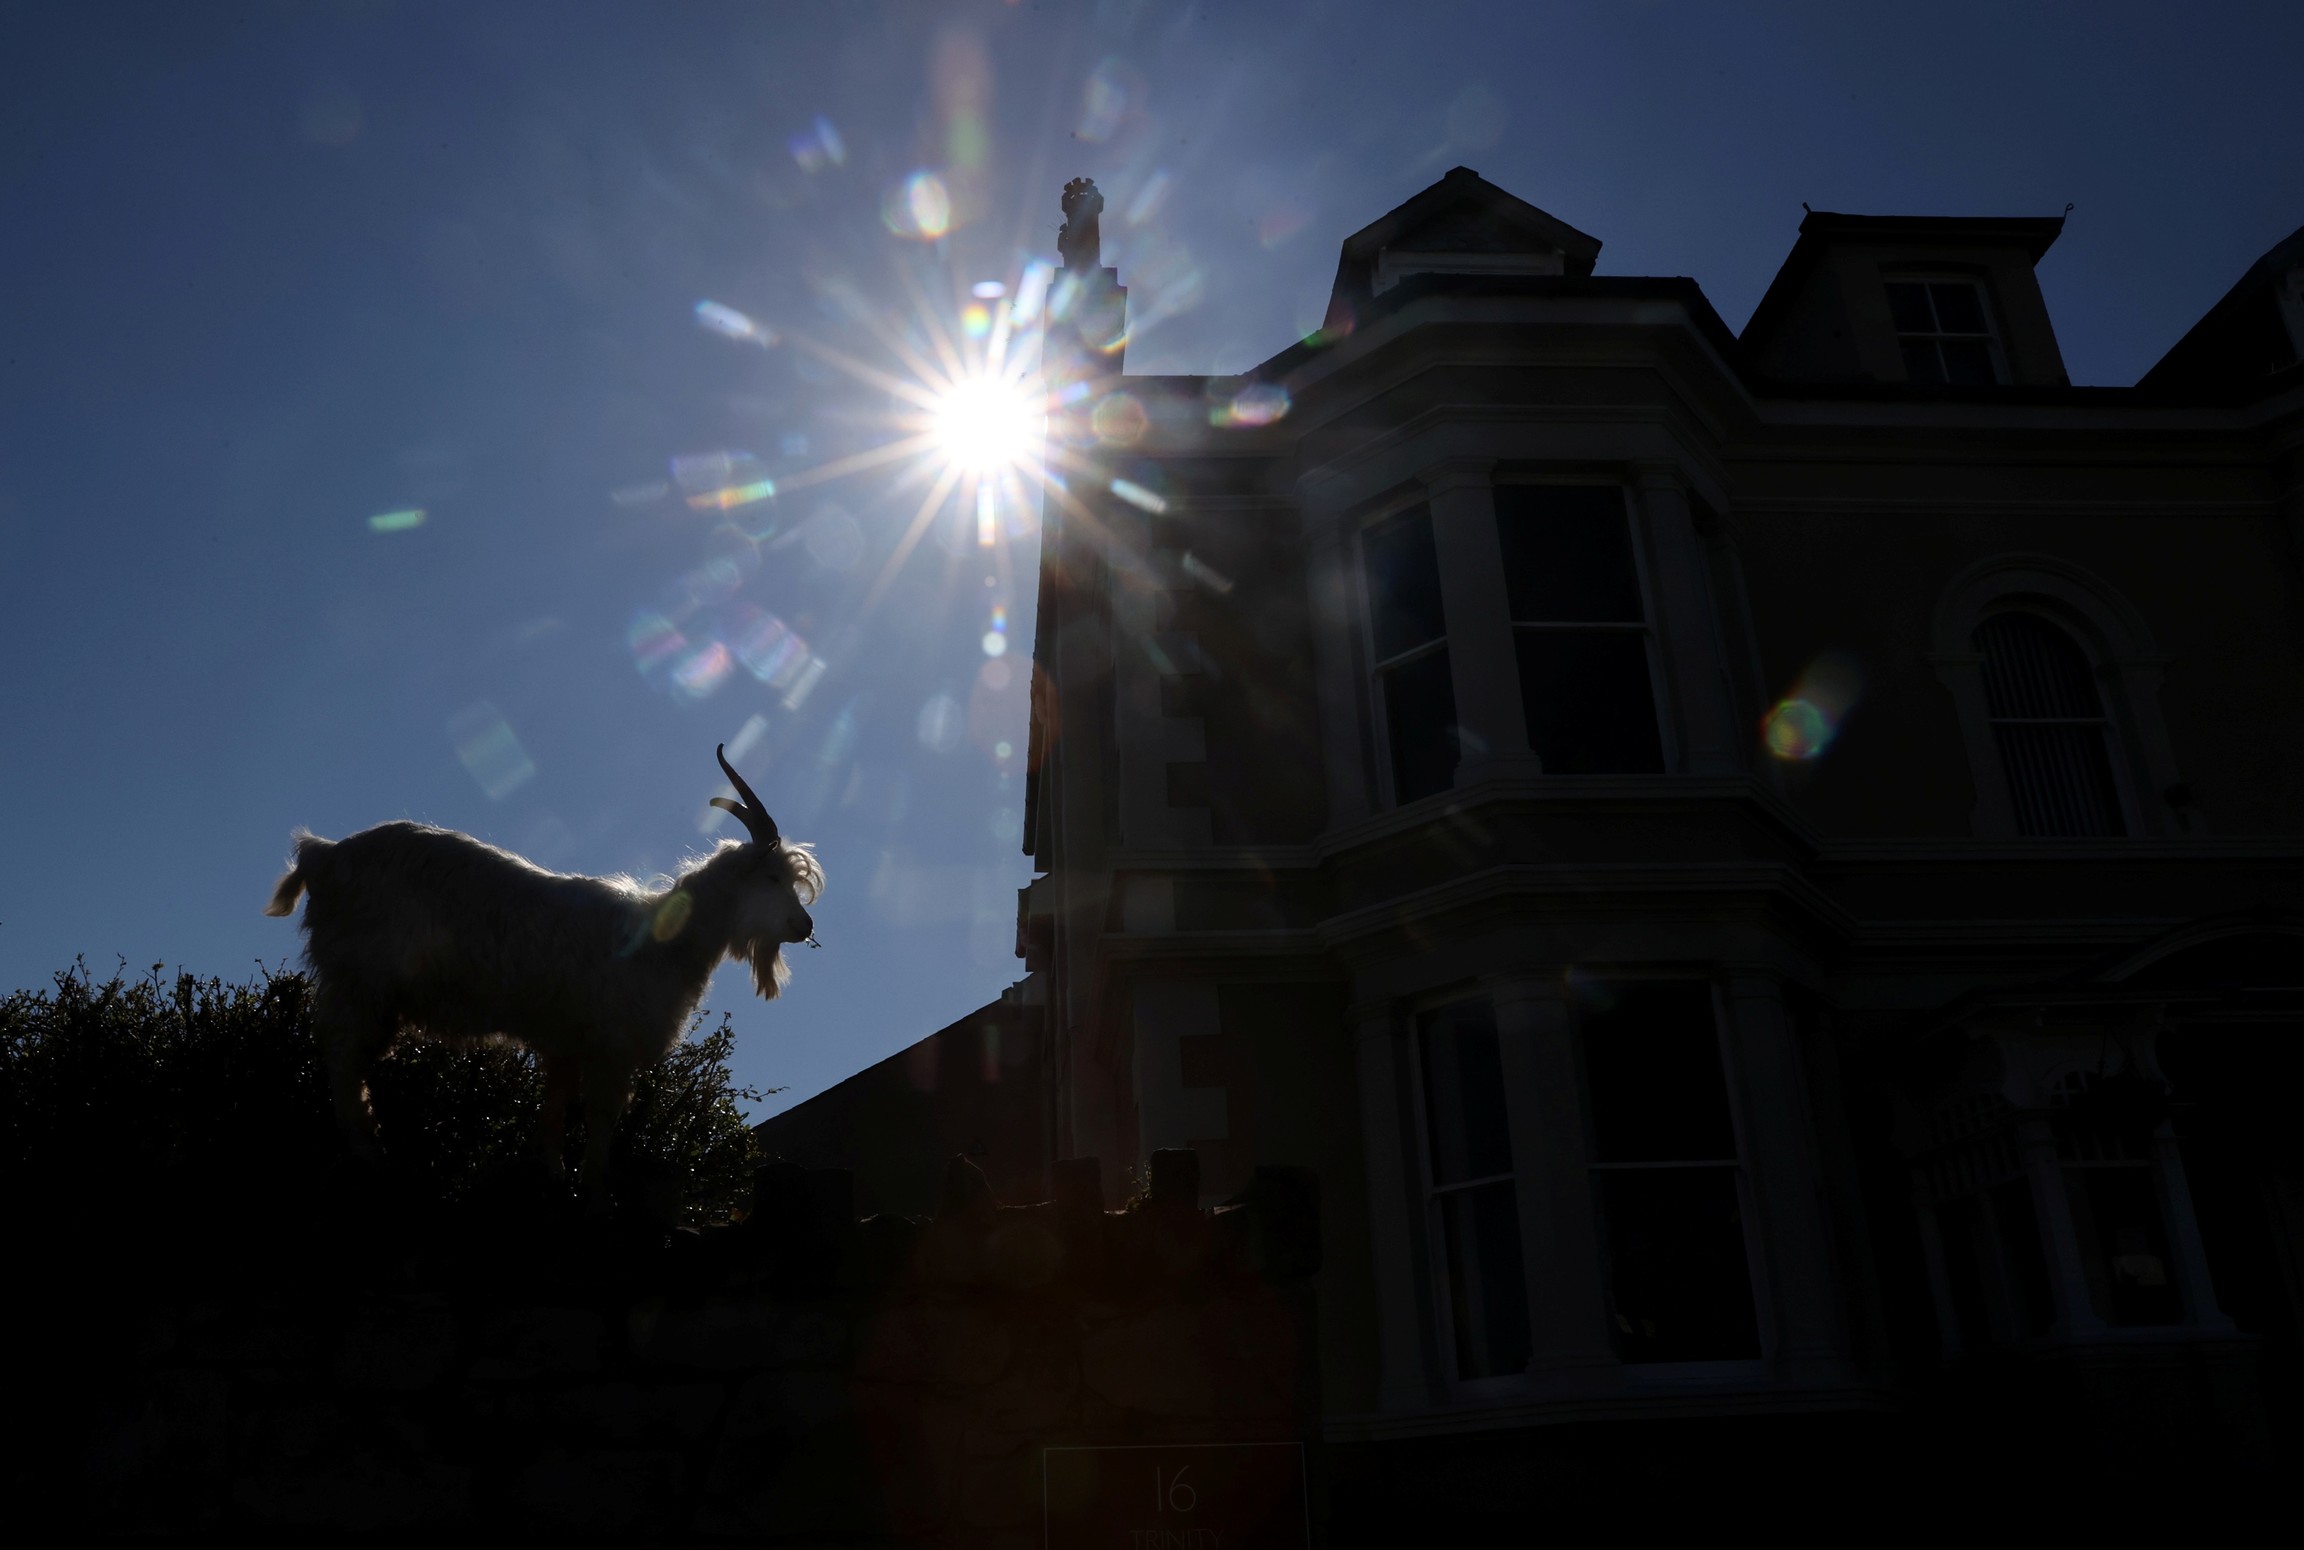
point(2049, 722)
point(2057, 685)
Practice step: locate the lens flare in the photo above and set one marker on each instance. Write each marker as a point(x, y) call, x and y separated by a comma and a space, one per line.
point(940, 724)
point(396, 521)
point(731, 324)
point(1149, 198)
point(833, 539)
point(920, 207)
point(1803, 724)
point(818, 146)
point(767, 646)
point(1796, 729)
point(1206, 574)
point(488, 750)
point(1032, 291)
point(976, 321)
point(653, 640)
point(699, 472)
point(702, 672)
point(734, 495)
point(1111, 88)
point(1119, 420)
point(1258, 404)
point(1136, 495)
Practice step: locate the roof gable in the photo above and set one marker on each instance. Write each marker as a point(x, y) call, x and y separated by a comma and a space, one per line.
point(1462, 224)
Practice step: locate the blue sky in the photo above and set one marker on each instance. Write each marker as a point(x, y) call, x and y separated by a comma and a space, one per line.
point(272, 271)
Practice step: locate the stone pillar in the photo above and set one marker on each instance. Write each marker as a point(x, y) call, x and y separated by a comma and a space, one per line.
point(1569, 1347)
point(1148, 739)
point(2067, 1277)
point(1480, 656)
point(1386, 1137)
point(1800, 1277)
point(1939, 1277)
point(2193, 1281)
point(1339, 679)
point(1169, 1115)
point(1686, 629)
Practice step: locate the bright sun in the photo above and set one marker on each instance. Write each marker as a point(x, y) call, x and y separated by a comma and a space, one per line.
point(987, 424)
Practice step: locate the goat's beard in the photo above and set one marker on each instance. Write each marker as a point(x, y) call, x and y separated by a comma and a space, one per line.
point(770, 973)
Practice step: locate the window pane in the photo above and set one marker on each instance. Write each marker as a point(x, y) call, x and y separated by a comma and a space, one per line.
point(1679, 1285)
point(1488, 1299)
point(1403, 583)
point(2048, 721)
point(2034, 669)
point(1968, 363)
point(1567, 554)
point(1464, 1094)
point(1587, 699)
point(1908, 304)
point(1920, 362)
point(1959, 309)
point(1652, 1072)
point(1420, 716)
point(2059, 779)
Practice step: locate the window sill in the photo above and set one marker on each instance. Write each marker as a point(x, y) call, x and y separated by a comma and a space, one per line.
point(1668, 1391)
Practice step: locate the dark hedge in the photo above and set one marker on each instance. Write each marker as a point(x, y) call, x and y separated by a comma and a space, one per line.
point(117, 1094)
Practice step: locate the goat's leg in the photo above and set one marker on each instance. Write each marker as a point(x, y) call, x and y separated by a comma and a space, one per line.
point(560, 1080)
point(607, 1094)
point(351, 1040)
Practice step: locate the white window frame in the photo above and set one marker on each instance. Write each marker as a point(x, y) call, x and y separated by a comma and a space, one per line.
point(1372, 679)
point(1755, 1245)
point(2001, 376)
point(1640, 1376)
point(1643, 578)
point(1428, 1193)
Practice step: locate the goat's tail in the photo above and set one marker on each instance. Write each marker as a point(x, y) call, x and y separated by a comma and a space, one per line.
point(309, 847)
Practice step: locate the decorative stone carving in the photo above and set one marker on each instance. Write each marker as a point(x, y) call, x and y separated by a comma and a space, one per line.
point(1080, 239)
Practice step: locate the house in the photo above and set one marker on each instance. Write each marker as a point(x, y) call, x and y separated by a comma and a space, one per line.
point(1764, 871)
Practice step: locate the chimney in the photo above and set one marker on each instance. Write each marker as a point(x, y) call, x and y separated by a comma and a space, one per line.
point(1087, 329)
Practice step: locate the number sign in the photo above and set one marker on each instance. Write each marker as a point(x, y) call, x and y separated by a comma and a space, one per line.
point(1177, 1496)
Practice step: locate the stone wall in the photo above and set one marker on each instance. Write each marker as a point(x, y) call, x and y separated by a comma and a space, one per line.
point(801, 1377)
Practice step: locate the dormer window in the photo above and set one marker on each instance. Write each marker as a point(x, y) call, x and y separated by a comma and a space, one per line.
point(1944, 333)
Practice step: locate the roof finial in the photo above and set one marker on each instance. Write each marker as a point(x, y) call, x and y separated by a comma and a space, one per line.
point(1080, 239)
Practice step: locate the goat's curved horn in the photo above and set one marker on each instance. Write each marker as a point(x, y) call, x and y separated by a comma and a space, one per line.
point(755, 817)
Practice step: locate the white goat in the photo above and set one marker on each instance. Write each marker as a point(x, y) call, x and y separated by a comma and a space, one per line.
point(414, 927)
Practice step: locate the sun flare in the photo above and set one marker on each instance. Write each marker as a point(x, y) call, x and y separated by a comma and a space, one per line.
point(987, 424)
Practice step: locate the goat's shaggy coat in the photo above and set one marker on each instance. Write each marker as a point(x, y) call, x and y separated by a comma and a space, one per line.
point(409, 926)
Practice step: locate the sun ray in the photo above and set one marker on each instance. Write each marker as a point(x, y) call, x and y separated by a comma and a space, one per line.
point(929, 506)
point(858, 462)
point(872, 376)
point(956, 368)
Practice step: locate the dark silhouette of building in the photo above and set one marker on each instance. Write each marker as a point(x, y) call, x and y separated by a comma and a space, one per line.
point(1765, 872)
